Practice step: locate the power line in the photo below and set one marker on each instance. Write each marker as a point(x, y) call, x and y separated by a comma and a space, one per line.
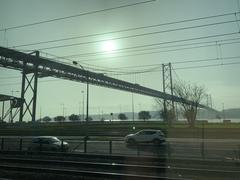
point(211, 65)
point(213, 59)
point(12, 77)
point(124, 30)
point(86, 65)
point(43, 81)
point(99, 68)
point(182, 68)
point(170, 50)
point(76, 15)
point(181, 62)
point(158, 66)
point(156, 69)
point(132, 36)
point(155, 52)
point(149, 65)
point(148, 49)
point(162, 43)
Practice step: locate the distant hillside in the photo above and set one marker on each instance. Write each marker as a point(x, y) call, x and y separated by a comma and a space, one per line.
point(232, 113)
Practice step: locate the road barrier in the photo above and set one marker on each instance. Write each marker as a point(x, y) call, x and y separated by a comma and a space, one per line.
point(110, 146)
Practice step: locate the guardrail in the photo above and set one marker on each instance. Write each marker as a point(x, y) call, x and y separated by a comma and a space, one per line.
point(118, 147)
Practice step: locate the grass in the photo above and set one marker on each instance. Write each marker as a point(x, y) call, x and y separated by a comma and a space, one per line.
point(210, 130)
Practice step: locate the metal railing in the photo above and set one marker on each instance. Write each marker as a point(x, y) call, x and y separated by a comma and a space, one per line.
point(119, 147)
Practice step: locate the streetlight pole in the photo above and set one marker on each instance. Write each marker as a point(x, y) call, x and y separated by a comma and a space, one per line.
point(132, 107)
point(87, 79)
point(133, 112)
point(82, 105)
point(87, 97)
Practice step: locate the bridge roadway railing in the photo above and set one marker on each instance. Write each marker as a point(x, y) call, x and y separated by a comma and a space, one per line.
point(13, 59)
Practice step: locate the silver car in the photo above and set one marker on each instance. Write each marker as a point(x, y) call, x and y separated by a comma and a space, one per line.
point(146, 136)
point(48, 143)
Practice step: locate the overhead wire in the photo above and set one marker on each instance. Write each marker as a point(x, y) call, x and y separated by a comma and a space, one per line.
point(76, 15)
point(154, 44)
point(180, 62)
point(155, 52)
point(201, 26)
point(85, 66)
point(182, 68)
point(148, 49)
point(156, 69)
point(124, 37)
point(110, 39)
point(148, 65)
point(89, 65)
point(192, 26)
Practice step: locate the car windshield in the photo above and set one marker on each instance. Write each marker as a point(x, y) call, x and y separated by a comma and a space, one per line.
point(53, 140)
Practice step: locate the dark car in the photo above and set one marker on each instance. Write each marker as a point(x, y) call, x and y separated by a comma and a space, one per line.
point(48, 143)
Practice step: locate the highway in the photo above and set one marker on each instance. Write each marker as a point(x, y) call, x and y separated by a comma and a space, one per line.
point(173, 148)
point(221, 149)
point(111, 158)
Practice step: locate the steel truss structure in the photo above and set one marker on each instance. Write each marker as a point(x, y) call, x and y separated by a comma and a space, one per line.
point(14, 104)
point(41, 67)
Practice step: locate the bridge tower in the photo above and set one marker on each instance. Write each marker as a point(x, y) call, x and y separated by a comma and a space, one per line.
point(29, 86)
point(168, 105)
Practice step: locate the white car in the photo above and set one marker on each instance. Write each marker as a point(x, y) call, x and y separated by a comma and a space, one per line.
point(146, 136)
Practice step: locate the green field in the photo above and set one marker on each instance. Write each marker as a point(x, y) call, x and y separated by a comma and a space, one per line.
point(208, 130)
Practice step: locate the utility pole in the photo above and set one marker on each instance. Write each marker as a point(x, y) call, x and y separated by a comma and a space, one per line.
point(40, 114)
point(87, 96)
point(82, 105)
point(132, 107)
point(87, 81)
point(3, 103)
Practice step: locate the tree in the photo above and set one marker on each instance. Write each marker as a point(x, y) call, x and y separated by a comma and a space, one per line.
point(46, 119)
point(168, 115)
point(59, 118)
point(74, 117)
point(194, 95)
point(122, 116)
point(89, 118)
point(145, 115)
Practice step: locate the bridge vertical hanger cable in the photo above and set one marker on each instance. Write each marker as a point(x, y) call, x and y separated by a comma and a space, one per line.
point(5, 39)
point(237, 22)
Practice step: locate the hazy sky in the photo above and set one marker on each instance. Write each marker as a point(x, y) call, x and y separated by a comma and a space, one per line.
point(221, 81)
